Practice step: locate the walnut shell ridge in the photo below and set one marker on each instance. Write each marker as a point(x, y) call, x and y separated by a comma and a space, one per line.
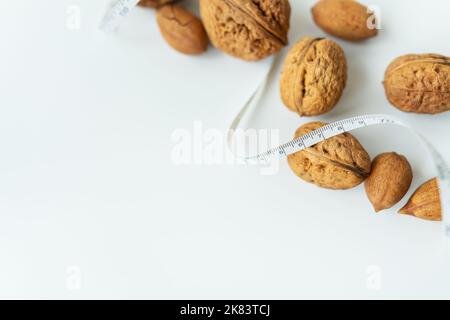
point(247, 29)
point(419, 83)
point(336, 163)
point(313, 77)
point(345, 19)
point(389, 180)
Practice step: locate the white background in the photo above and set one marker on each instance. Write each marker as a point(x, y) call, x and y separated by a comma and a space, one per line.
point(92, 205)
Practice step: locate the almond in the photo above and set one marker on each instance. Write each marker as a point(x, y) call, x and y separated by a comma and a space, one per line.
point(182, 30)
point(389, 180)
point(346, 19)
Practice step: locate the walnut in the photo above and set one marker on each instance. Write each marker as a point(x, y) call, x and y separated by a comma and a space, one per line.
point(346, 19)
point(182, 30)
point(425, 203)
point(336, 163)
point(419, 83)
point(154, 3)
point(314, 76)
point(247, 29)
point(389, 180)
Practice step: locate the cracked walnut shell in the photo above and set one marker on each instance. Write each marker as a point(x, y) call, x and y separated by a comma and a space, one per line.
point(314, 76)
point(389, 180)
point(419, 83)
point(425, 203)
point(247, 29)
point(336, 163)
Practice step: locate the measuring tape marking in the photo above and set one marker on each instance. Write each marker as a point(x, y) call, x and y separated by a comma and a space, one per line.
point(116, 14)
point(323, 133)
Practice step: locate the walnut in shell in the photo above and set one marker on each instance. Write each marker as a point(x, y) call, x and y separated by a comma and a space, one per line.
point(154, 3)
point(182, 30)
point(419, 83)
point(247, 29)
point(425, 203)
point(314, 76)
point(346, 19)
point(389, 180)
point(336, 163)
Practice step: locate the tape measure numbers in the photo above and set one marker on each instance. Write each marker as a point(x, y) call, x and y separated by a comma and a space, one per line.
point(331, 130)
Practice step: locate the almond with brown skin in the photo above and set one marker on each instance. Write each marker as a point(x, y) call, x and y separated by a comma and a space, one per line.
point(346, 19)
point(182, 30)
point(425, 203)
point(389, 180)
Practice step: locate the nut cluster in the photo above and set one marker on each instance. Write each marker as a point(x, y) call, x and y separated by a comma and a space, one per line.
point(313, 78)
point(247, 29)
point(312, 81)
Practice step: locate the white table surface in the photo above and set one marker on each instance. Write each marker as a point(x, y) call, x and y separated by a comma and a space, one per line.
point(92, 206)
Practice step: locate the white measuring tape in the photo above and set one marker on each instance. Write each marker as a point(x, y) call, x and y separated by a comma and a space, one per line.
point(338, 127)
point(122, 8)
point(118, 11)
